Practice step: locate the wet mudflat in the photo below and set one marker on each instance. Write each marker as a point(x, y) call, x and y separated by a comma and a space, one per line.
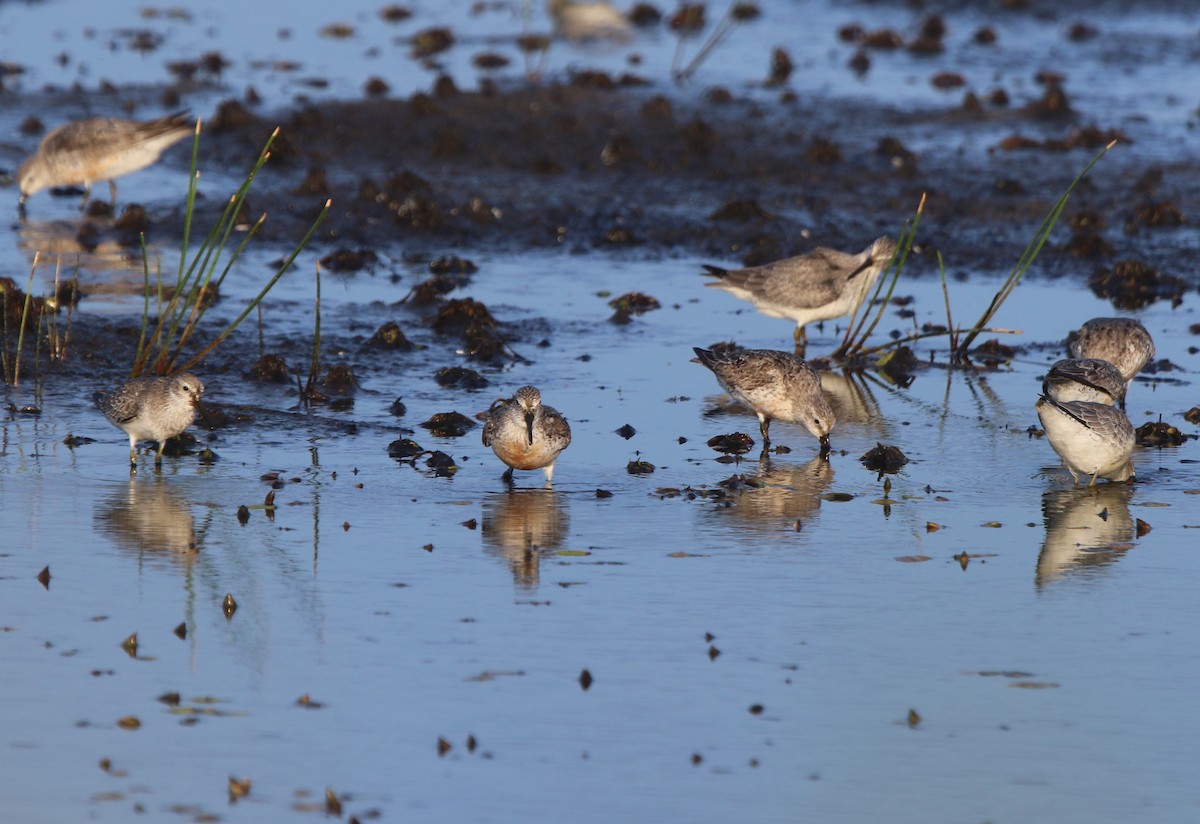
point(769, 637)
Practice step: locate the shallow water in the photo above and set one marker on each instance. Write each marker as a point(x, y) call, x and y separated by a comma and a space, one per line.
point(1050, 675)
point(1050, 678)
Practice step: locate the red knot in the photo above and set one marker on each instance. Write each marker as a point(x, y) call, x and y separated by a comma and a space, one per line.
point(152, 409)
point(821, 285)
point(775, 385)
point(1123, 342)
point(525, 434)
point(1092, 439)
point(1085, 379)
point(103, 148)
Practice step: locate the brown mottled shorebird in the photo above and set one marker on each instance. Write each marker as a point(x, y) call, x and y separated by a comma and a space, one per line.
point(152, 409)
point(775, 385)
point(1085, 379)
point(1091, 438)
point(103, 148)
point(525, 434)
point(1123, 342)
point(821, 285)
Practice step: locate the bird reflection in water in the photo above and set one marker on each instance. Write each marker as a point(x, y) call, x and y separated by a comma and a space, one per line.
point(520, 525)
point(850, 397)
point(1086, 530)
point(149, 516)
point(789, 496)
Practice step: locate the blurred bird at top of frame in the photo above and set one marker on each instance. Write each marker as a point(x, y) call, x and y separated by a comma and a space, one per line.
point(589, 20)
point(820, 285)
point(103, 148)
point(525, 434)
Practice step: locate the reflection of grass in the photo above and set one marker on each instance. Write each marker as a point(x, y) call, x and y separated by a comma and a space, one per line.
point(19, 309)
point(197, 284)
point(314, 367)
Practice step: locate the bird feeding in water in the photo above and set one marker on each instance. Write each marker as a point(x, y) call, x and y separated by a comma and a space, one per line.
point(103, 148)
point(775, 385)
point(1123, 342)
point(1093, 439)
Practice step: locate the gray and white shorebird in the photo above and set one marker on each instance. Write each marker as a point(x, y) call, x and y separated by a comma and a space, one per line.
point(1123, 342)
point(589, 20)
point(103, 148)
point(776, 386)
point(152, 409)
point(525, 433)
point(1093, 439)
point(1085, 379)
point(820, 285)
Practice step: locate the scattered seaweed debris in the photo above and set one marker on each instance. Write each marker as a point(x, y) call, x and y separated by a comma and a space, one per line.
point(884, 459)
point(898, 365)
point(630, 304)
point(404, 450)
point(443, 465)
point(1131, 284)
point(460, 377)
point(735, 443)
point(349, 260)
point(270, 369)
point(1159, 433)
point(449, 264)
point(639, 467)
point(390, 336)
point(475, 323)
point(449, 425)
point(993, 353)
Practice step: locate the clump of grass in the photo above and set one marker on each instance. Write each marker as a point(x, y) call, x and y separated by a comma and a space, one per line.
point(959, 352)
point(856, 337)
point(12, 366)
point(854, 342)
point(687, 23)
point(178, 316)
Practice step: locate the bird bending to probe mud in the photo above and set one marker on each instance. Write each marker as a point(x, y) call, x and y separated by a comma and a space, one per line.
point(1093, 439)
point(103, 148)
point(775, 385)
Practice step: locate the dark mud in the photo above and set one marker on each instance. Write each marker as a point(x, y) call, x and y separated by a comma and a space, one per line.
point(599, 163)
point(596, 164)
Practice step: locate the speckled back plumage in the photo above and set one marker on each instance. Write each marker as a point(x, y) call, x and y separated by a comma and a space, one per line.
point(152, 408)
point(1123, 342)
point(776, 385)
point(1084, 379)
